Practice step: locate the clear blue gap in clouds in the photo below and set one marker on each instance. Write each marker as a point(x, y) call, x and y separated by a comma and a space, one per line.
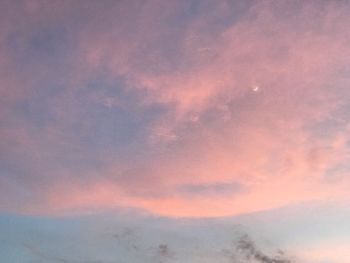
point(135, 237)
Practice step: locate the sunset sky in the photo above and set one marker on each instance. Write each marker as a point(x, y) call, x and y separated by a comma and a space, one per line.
point(148, 131)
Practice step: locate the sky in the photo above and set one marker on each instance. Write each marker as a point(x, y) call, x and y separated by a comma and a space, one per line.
point(174, 131)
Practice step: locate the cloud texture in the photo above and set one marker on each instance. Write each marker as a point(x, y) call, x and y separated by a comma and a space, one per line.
point(184, 108)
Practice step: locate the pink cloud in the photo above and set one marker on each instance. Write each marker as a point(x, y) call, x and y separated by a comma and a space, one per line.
point(262, 141)
point(217, 128)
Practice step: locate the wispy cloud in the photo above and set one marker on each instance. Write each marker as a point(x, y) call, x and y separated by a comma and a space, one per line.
point(164, 106)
